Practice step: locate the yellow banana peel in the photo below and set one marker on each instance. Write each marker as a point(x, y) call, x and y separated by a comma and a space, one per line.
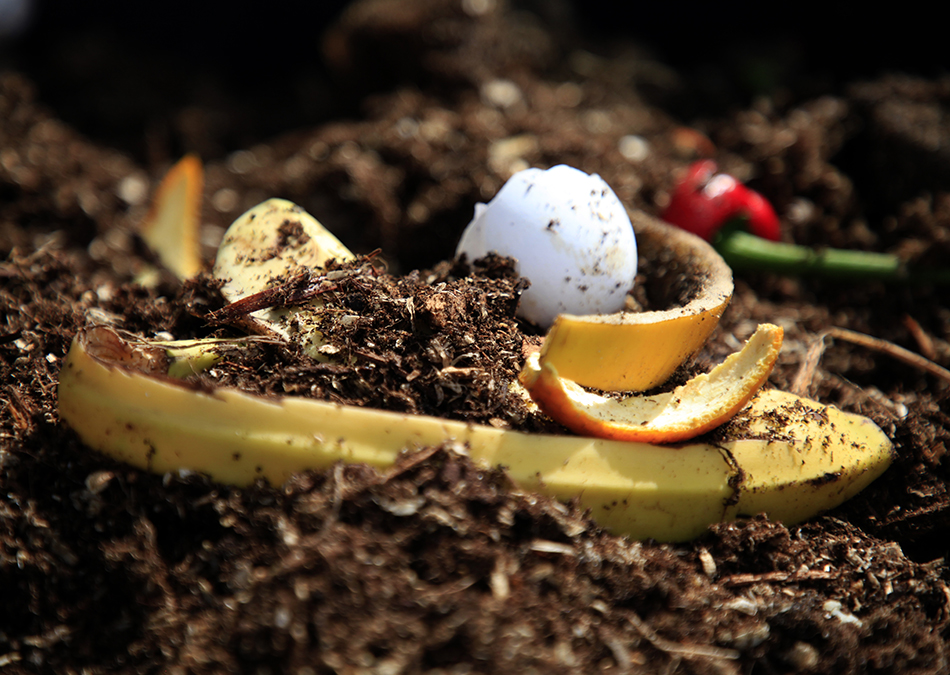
point(791, 457)
point(781, 454)
point(800, 457)
point(631, 351)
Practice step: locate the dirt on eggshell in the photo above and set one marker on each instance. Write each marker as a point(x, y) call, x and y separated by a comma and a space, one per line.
point(436, 566)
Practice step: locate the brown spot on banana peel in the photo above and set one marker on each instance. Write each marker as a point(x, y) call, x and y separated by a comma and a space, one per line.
point(636, 489)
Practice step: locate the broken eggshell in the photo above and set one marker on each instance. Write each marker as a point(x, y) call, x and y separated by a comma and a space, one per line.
point(570, 235)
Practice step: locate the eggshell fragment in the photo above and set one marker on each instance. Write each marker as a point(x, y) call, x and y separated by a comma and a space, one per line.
point(571, 236)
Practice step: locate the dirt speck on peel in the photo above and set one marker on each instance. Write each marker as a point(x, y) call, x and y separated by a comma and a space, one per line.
point(437, 566)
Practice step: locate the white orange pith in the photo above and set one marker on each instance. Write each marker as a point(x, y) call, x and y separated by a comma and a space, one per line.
point(702, 404)
point(171, 228)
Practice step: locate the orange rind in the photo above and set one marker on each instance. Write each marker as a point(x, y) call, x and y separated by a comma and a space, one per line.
point(172, 227)
point(637, 351)
point(703, 403)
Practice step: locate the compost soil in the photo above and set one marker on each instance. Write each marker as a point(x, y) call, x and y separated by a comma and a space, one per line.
point(389, 129)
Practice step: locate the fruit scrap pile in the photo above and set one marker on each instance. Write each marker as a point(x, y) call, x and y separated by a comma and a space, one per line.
point(278, 268)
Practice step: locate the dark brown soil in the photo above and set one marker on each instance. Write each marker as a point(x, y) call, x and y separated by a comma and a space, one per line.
point(389, 136)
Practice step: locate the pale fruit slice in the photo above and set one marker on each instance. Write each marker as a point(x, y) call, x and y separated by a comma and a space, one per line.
point(184, 358)
point(172, 227)
point(267, 246)
point(788, 456)
point(636, 351)
point(703, 403)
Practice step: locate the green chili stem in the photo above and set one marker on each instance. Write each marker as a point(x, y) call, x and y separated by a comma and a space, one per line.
point(746, 252)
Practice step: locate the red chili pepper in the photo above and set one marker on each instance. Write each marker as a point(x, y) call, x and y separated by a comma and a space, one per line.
point(703, 201)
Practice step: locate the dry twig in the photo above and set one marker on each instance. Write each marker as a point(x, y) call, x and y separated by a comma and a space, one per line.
point(892, 350)
point(804, 378)
point(686, 651)
point(924, 342)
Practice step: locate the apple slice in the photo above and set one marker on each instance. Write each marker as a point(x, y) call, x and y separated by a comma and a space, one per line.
point(703, 403)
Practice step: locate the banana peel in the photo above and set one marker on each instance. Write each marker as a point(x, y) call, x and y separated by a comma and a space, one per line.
point(788, 456)
point(799, 457)
point(636, 351)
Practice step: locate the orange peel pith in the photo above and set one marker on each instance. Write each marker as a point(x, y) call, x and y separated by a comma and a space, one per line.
point(702, 404)
point(171, 228)
point(637, 351)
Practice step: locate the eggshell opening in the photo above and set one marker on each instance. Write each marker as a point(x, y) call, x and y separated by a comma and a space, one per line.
point(570, 235)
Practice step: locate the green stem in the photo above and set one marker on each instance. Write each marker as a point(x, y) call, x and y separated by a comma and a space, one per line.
point(746, 252)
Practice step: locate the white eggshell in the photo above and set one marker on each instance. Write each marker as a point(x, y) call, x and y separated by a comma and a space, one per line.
point(571, 236)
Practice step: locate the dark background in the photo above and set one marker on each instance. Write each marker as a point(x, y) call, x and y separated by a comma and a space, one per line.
point(181, 51)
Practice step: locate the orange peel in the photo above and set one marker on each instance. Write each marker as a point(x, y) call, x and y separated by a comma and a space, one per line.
point(171, 228)
point(703, 403)
point(636, 351)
